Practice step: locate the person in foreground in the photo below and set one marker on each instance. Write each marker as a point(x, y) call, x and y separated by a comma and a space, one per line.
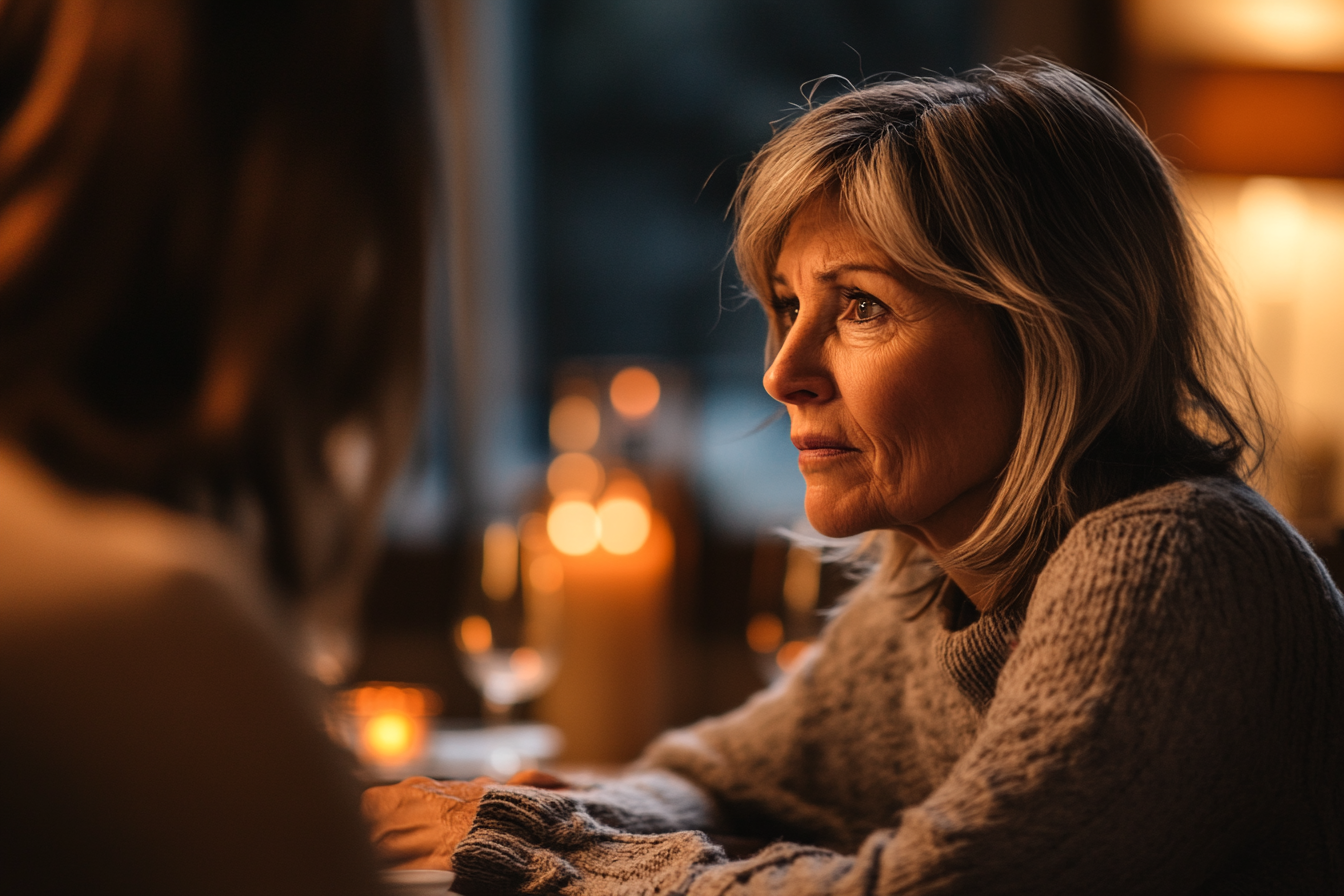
point(211, 231)
point(1089, 659)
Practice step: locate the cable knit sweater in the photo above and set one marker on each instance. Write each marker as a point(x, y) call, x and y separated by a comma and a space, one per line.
point(1166, 716)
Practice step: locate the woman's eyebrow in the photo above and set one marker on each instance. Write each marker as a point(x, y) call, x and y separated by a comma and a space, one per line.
point(831, 274)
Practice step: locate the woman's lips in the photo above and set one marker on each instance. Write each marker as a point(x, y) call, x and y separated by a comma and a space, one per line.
point(815, 448)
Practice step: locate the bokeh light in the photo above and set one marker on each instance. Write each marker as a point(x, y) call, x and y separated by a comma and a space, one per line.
point(623, 483)
point(634, 393)
point(623, 525)
point(791, 654)
point(575, 423)
point(575, 475)
point(499, 562)
point(765, 632)
point(474, 635)
point(546, 574)
point(573, 527)
point(527, 665)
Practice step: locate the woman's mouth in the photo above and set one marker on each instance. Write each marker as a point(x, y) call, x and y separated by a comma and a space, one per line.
point(816, 448)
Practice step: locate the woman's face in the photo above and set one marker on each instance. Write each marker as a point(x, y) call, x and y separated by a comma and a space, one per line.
point(901, 407)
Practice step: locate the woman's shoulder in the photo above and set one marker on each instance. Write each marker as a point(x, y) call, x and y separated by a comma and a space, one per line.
point(1207, 511)
point(1214, 536)
point(64, 553)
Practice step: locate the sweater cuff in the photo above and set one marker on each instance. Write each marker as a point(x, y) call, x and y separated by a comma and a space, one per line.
point(538, 841)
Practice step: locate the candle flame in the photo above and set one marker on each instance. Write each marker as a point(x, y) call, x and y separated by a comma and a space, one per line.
point(388, 721)
point(392, 737)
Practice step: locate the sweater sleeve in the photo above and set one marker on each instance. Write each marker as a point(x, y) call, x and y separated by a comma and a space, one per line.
point(1113, 758)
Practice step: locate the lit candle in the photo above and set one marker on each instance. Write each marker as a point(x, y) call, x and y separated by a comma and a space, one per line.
point(615, 559)
point(388, 723)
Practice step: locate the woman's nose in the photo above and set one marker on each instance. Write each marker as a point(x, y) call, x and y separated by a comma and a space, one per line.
point(798, 374)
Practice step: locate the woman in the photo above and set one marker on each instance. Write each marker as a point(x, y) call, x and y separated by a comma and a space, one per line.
point(211, 229)
point(1003, 353)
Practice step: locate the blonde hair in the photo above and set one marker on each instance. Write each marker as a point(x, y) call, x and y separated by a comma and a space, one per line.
point(1027, 187)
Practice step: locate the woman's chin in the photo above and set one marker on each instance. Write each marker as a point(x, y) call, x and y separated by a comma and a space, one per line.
point(828, 520)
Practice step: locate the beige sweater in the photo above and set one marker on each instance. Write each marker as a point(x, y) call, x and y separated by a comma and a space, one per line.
point(1168, 717)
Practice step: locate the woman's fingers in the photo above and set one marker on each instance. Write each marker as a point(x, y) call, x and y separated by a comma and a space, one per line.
point(418, 822)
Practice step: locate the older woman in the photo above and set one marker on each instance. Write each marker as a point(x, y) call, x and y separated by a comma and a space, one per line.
point(1003, 353)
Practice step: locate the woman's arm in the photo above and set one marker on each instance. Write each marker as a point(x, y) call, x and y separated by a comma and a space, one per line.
point(795, 762)
point(1131, 747)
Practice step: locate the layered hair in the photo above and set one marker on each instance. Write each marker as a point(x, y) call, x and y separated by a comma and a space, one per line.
point(1028, 189)
point(211, 237)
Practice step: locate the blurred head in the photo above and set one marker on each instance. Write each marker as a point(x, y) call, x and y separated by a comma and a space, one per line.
point(1024, 199)
point(211, 233)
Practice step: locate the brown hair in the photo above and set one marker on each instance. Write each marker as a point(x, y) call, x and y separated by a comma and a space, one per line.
point(1028, 188)
point(211, 240)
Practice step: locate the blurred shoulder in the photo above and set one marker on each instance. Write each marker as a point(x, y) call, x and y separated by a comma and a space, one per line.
point(64, 553)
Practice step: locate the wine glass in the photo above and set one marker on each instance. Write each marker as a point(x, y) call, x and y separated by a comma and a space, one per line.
point(784, 628)
point(508, 634)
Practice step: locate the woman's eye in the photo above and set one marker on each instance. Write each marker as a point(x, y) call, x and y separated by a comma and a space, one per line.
point(786, 309)
point(866, 308)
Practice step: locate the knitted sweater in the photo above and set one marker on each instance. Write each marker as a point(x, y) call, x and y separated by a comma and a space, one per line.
point(1166, 716)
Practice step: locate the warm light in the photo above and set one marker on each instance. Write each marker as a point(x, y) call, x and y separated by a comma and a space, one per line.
point(573, 527)
point(546, 574)
point(527, 665)
point(624, 525)
point(499, 563)
point(350, 450)
point(391, 737)
point(1273, 217)
point(764, 632)
point(1277, 33)
point(374, 699)
point(625, 484)
point(802, 579)
point(575, 475)
point(634, 393)
point(791, 654)
point(575, 423)
point(474, 635)
point(386, 722)
point(532, 533)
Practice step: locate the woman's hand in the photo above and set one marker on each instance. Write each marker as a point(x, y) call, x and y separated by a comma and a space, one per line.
point(419, 822)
